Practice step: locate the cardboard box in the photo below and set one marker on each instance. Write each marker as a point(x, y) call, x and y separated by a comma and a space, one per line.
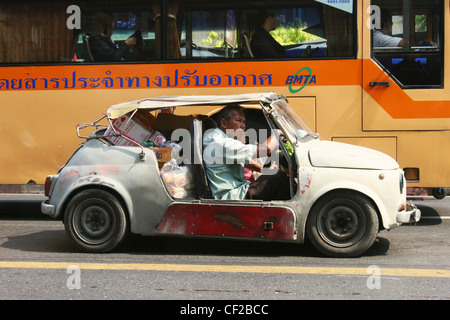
point(163, 154)
point(139, 128)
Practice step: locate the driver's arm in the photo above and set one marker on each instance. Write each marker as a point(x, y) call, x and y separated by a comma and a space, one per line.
point(267, 147)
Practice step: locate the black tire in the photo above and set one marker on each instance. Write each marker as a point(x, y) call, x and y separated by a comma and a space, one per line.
point(95, 221)
point(342, 224)
point(439, 193)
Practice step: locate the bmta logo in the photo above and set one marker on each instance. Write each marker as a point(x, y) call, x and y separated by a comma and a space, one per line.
point(302, 77)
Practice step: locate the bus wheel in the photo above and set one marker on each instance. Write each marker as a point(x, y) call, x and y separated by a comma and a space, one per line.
point(342, 224)
point(439, 193)
point(95, 221)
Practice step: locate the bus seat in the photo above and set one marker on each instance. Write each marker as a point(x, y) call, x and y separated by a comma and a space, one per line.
point(246, 51)
point(410, 72)
point(87, 48)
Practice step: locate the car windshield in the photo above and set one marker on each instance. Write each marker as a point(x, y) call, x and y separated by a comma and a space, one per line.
point(288, 119)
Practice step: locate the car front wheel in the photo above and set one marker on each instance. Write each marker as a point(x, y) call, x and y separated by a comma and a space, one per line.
point(95, 221)
point(342, 224)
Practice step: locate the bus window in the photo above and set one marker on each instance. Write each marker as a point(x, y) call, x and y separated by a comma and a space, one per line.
point(229, 29)
point(208, 34)
point(408, 40)
point(39, 32)
point(35, 32)
point(311, 28)
point(136, 19)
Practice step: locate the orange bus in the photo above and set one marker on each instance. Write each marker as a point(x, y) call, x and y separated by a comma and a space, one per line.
point(392, 96)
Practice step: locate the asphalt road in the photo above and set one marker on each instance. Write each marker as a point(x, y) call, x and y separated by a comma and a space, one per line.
point(38, 261)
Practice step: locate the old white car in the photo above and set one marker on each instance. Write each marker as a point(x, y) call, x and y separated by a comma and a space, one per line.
point(146, 176)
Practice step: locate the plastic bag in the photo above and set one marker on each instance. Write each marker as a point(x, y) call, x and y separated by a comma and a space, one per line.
point(178, 179)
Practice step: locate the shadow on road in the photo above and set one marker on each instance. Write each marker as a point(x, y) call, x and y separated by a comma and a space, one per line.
point(58, 242)
point(174, 245)
point(43, 241)
point(430, 217)
point(21, 210)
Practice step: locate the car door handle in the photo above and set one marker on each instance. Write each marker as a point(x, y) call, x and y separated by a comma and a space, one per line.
point(380, 84)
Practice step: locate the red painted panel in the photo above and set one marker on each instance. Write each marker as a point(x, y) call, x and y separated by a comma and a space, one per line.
point(229, 220)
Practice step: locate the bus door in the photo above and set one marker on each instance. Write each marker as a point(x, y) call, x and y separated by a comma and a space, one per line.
point(404, 98)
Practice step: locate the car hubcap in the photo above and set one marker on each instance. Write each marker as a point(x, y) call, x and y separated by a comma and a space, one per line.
point(93, 223)
point(341, 225)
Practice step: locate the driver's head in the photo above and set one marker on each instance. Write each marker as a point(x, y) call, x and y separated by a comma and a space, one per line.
point(231, 120)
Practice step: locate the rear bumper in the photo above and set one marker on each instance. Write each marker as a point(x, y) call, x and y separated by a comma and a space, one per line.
point(47, 208)
point(411, 214)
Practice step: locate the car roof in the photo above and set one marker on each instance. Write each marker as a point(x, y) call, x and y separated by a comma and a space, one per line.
point(118, 110)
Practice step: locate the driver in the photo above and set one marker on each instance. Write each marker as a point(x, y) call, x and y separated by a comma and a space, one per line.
point(225, 156)
point(263, 44)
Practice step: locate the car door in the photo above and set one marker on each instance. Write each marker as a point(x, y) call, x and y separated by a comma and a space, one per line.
point(226, 218)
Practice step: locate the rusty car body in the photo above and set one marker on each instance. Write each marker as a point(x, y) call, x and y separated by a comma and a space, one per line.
point(341, 195)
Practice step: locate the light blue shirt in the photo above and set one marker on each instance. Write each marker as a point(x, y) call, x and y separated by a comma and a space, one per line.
point(224, 159)
point(383, 40)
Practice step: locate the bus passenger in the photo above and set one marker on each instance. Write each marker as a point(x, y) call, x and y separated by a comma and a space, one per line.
point(263, 44)
point(226, 154)
point(102, 46)
point(383, 37)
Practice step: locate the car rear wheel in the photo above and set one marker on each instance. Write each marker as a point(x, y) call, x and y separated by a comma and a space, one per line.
point(95, 221)
point(342, 224)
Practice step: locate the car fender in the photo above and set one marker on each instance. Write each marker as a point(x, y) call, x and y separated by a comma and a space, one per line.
point(314, 194)
point(95, 181)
